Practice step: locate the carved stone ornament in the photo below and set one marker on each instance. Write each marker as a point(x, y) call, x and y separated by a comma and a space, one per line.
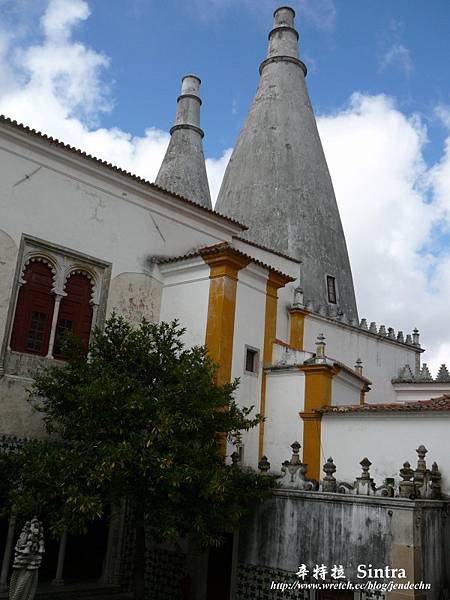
point(27, 560)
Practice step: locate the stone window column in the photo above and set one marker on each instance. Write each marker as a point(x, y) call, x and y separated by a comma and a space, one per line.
point(58, 297)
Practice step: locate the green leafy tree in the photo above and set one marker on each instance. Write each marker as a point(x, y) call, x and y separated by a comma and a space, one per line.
point(137, 419)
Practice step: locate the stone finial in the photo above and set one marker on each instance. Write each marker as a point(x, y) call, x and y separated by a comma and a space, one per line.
point(264, 465)
point(329, 481)
point(320, 346)
point(354, 322)
point(27, 560)
point(407, 488)
point(382, 330)
point(359, 366)
point(363, 325)
point(415, 337)
point(425, 374)
point(443, 374)
point(298, 298)
point(406, 374)
point(364, 485)
point(421, 463)
point(400, 337)
point(435, 476)
point(391, 333)
point(373, 327)
point(294, 472)
point(408, 339)
point(365, 464)
point(295, 459)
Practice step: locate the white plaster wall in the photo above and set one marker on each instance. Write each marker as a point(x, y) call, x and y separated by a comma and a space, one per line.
point(86, 214)
point(285, 398)
point(382, 359)
point(249, 327)
point(344, 391)
point(388, 440)
point(286, 294)
point(412, 392)
point(185, 297)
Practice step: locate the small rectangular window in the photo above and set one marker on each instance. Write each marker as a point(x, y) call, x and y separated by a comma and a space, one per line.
point(331, 288)
point(251, 360)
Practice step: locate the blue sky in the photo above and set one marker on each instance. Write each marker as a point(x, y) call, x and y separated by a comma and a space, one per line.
point(399, 48)
point(104, 75)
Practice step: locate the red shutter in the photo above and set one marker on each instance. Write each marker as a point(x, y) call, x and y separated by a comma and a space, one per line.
point(34, 311)
point(75, 312)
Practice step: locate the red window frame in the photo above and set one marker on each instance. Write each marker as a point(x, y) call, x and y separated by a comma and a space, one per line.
point(34, 310)
point(75, 312)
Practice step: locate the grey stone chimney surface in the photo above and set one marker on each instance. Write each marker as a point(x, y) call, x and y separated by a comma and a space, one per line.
point(277, 181)
point(183, 169)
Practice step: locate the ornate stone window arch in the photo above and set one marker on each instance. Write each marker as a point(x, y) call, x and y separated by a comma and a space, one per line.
point(75, 282)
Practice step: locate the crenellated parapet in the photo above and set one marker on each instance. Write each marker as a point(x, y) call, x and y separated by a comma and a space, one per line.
point(407, 375)
point(418, 483)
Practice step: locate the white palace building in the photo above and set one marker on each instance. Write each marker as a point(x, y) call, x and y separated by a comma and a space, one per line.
point(264, 280)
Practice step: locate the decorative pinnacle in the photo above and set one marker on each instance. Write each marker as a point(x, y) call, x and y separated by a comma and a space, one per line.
point(359, 366)
point(329, 468)
point(365, 464)
point(264, 465)
point(298, 298)
point(415, 337)
point(320, 346)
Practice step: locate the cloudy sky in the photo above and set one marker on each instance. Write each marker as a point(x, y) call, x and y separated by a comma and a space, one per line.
point(104, 76)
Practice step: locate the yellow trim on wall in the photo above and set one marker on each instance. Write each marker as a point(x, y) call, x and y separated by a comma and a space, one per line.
point(297, 327)
point(224, 268)
point(274, 282)
point(318, 389)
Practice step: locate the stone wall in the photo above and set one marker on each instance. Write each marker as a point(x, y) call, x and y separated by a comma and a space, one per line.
point(310, 527)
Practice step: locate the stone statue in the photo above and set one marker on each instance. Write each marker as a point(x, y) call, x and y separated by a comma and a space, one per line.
point(27, 560)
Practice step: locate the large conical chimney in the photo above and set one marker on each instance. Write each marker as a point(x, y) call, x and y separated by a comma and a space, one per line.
point(183, 169)
point(277, 181)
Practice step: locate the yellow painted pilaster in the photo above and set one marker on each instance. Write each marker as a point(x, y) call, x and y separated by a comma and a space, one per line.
point(318, 388)
point(297, 327)
point(224, 268)
point(274, 282)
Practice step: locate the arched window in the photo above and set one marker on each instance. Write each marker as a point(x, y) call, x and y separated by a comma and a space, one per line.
point(75, 312)
point(34, 310)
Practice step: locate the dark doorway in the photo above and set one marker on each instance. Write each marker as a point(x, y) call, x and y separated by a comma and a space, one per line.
point(85, 553)
point(219, 570)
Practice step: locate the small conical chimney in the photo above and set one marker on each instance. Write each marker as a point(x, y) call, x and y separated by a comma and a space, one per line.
point(183, 169)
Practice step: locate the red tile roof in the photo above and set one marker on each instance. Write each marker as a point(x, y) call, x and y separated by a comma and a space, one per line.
point(441, 404)
point(103, 163)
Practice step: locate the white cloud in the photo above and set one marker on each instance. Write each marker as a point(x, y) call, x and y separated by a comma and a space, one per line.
point(397, 56)
point(383, 187)
point(57, 86)
point(215, 169)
